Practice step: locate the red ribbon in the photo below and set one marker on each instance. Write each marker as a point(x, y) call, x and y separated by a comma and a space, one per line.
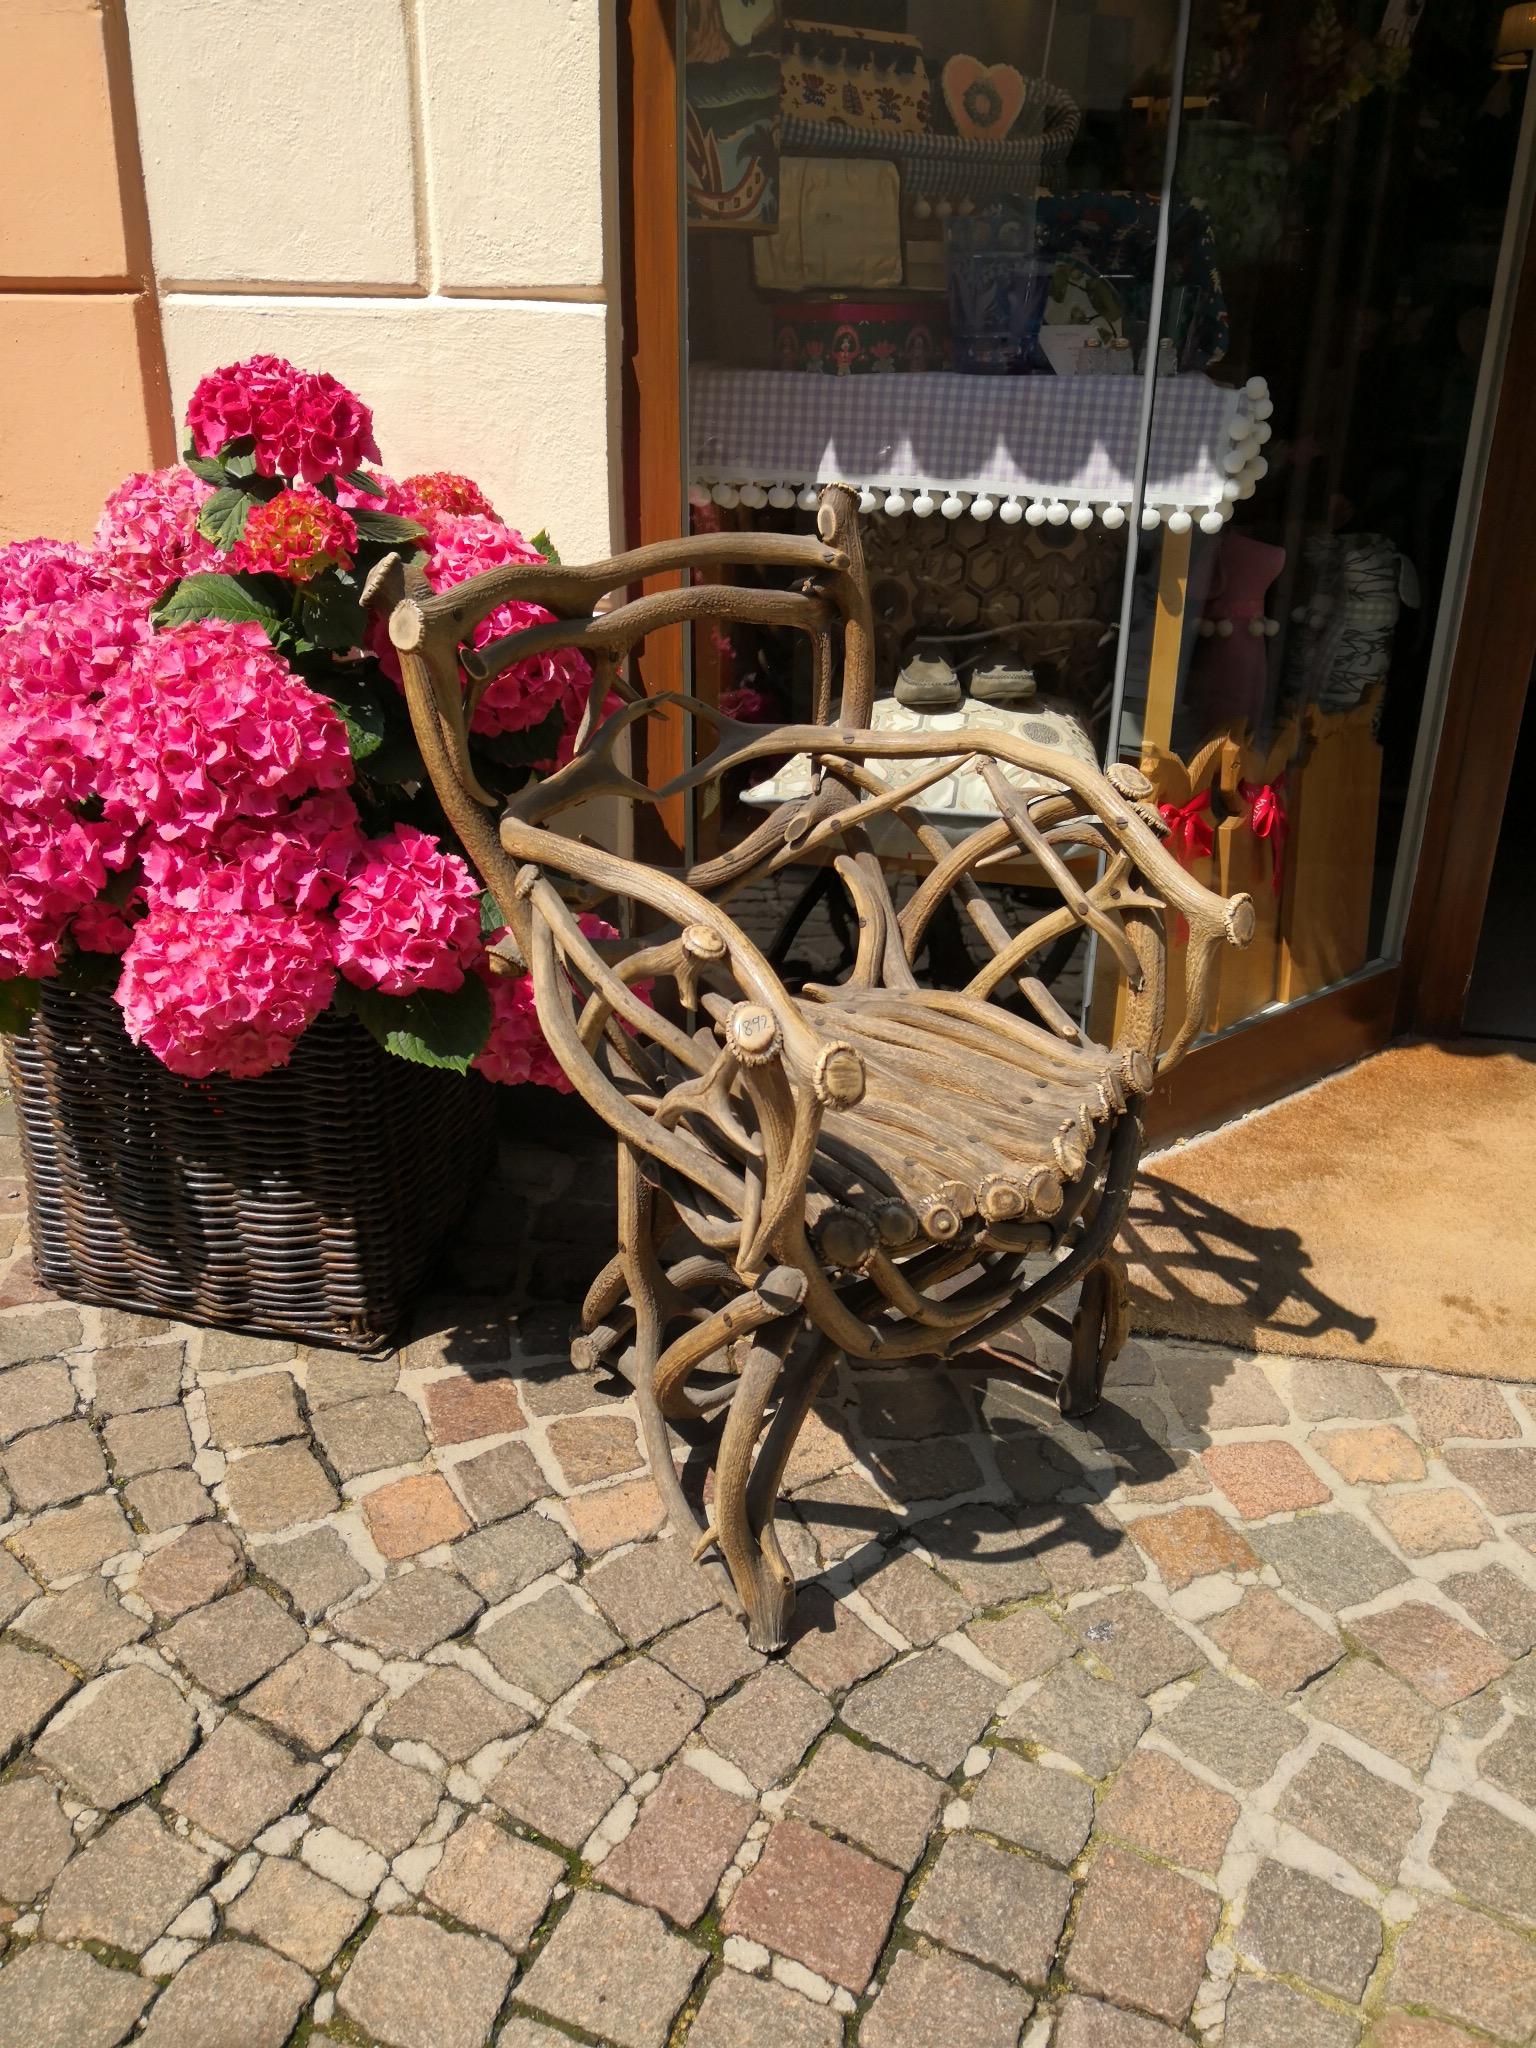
point(1188, 833)
point(1268, 819)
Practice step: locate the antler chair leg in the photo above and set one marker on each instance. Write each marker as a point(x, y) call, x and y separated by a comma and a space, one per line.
point(1098, 1332)
point(743, 1519)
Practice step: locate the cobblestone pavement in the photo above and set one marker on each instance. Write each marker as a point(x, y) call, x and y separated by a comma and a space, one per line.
point(358, 1700)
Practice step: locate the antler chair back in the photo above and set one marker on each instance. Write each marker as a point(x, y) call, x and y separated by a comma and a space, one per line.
point(875, 1167)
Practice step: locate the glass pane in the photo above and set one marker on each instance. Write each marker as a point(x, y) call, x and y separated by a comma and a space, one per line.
point(910, 247)
point(1352, 172)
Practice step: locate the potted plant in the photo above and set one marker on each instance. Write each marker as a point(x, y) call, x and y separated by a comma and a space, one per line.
point(244, 965)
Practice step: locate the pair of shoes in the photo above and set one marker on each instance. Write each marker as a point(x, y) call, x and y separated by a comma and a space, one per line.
point(929, 683)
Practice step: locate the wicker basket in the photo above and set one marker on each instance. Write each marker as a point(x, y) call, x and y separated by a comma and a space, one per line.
point(308, 1202)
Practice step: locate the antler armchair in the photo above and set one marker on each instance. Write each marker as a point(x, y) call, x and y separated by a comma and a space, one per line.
point(875, 1167)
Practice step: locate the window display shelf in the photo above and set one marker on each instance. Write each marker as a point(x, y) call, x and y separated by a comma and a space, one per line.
point(948, 167)
point(1045, 450)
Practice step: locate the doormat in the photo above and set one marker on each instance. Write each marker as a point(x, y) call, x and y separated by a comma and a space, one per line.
point(1387, 1214)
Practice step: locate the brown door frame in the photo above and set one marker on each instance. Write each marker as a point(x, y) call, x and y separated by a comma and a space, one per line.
point(1491, 663)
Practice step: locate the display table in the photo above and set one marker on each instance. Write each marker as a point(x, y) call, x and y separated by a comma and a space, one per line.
point(1040, 449)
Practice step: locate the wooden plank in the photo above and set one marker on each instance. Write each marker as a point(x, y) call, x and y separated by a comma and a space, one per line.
point(1167, 644)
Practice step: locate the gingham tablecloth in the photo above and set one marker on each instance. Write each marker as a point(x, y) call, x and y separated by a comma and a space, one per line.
point(1039, 437)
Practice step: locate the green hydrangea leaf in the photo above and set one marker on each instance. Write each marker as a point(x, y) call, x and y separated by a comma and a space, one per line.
point(386, 526)
point(546, 546)
point(360, 480)
point(435, 1028)
point(222, 519)
point(212, 596)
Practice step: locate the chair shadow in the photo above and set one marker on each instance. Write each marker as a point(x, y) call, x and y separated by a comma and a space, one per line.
point(1249, 1277)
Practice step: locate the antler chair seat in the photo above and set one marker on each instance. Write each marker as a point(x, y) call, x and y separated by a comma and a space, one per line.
point(875, 1168)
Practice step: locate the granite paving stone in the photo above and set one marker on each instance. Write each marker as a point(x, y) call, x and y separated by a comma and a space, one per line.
point(929, 1708)
point(500, 1482)
point(134, 1376)
point(1025, 1644)
point(36, 1839)
point(1367, 1702)
point(34, 1395)
point(1141, 1935)
point(1083, 1548)
point(931, 1471)
point(1381, 1455)
point(452, 1713)
point(494, 1881)
point(316, 1570)
point(192, 1570)
point(819, 1902)
point(711, 1653)
point(1503, 1606)
point(995, 1904)
point(1267, 1477)
point(1085, 2023)
point(931, 1998)
point(556, 1785)
point(84, 1625)
point(126, 1885)
point(1322, 1388)
point(167, 1500)
point(461, 1408)
point(1330, 1560)
point(648, 1589)
point(1346, 1807)
point(292, 1910)
point(238, 1783)
point(1239, 1734)
point(1510, 1762)
point(912, 1404)
point(640, 1712)
point(1446, 1406)
point(915, 1600)
point(507, 1557)
point(408, 1516)
point(886, 1807)
point(1264, 2014)
point(259, 1408)
point(54, 1465)
point(335, 1376)
point(1424, 1520)
point(1504, 1481)
point(410, 1614)
point(1272, 1642)
point(625, 1513)
point(1409, 2030)
point(412, 1984)
point(1438, 1655)
point(369, 1435)
point(63, 1998)
point(314, 1699)
point(592, 1447)
point(991, 1556)
point(1190, 1543)
point(1093, 1722)
point(68, 1541)
point(614, 1969)
point(829, 1644)
point(1136, 1643)
point(223, 1351)
point(676, 1853)
point(1047, 1811)
point(226, 1646)
point(235, 1977)
point(843, 1514)
point(118, 1736)
point(1212, 1391)
point(1469, 1967)
point(1158, 1806)
point(1296, 1925)
point(750, 2012)
point(273, 1488)
point(1488, 1856)
point(376, 1799)
point(17, 1588)
point(148, 1442)
point(548, 1643)
point(768, 1726)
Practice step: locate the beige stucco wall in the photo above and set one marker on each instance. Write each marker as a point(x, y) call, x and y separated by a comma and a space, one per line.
point(414, 195)
point(80, 363)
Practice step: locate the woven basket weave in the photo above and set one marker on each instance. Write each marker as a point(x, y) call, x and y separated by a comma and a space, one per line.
point(307, 1202)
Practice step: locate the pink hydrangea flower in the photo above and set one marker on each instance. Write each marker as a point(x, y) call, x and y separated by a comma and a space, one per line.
point(299, 534)
point(465, 544)
point(517, 1050)
point(296, 861)
point(147, 537)
point(102, 927)
point(440, 490)
point(301, 423)
point(34, 573)
point(219, 991)
point(73, 648)
point(207, 724)
point(408, 917)
point(51, 867)
point(381, 500)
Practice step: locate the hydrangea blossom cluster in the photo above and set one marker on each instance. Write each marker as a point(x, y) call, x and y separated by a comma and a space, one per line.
point(517, 1050)
point(298, 535)
point(178, 788)
point(147, 536)
point(300, 423)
